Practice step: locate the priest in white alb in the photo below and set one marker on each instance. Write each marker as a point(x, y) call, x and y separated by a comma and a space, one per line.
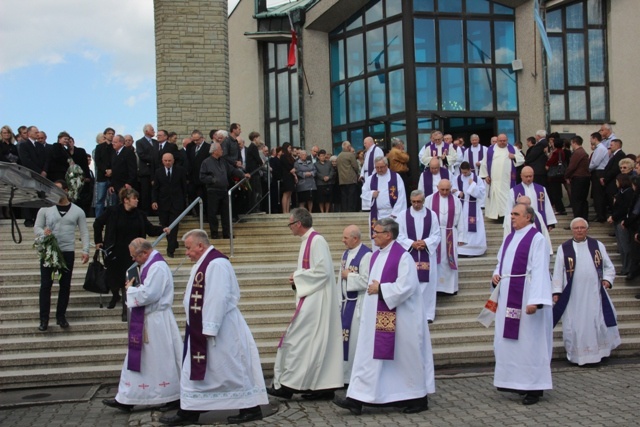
point(537, 194)
point(353, 278)
point(538, 222)
point(499, 172)
point(420, 236)
point(221, 368)
point(394, 362)
point(523, 340)
point(471, 191)
point(581, 276)
point(151, 370)
point(431, 176)
point(438, 149)
point(310, 353)
point(372, 151)
point(448, 209)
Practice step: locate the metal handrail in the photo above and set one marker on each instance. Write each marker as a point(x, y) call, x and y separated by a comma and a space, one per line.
point(265, 166)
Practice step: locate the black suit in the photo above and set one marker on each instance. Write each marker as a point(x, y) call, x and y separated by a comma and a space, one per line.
point(254, 161)
point(147, 164)
point(537, 159)
point(170, 195)
point(123, 169)
point(611, 171)
point(194, 161)
point(171, 149)
point(32, 155)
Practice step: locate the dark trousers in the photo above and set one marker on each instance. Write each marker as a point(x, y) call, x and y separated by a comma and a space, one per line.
point(145, 194)
point(555, 195)
point(46, 282)
point(599, 196)
point(348, 197)
point(166, 218)
point(218, 202)
point(540, 179)
point(579, 194)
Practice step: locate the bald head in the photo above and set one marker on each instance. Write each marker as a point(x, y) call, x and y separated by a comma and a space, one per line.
point(527, 175)
point(368, 142)
point(444, 187)
point(524, 200)
point(351, 236)
point(434, 165)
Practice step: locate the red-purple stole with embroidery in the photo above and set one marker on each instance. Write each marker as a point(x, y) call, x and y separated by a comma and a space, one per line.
point(471, 217)
point(306, 264)
point(451, 214)
point(427, 179)
point(385, 334)
point(518, 191)
point(513, 167)
point(197, 340)
point(421, 257)
point(518, 277)
point(393, 196)
point(136, 324)
point(351, 297)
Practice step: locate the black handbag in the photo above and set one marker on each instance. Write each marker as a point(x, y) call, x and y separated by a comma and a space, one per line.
point(557, 171)
point(96, 280)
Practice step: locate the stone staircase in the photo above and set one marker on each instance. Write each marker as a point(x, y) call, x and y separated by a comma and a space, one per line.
point(93, 348)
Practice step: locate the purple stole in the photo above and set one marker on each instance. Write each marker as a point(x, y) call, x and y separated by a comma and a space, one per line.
point(385, 334)
point(422, 266)
point(349, 304)
point(306, 264)
point(516, 282)
point(427, 179)
point(471, 218)
point(518, 191)
point(472, 164)
point(370, 162)
point(136, 324)
point(393, 196)
point(197, 340)
point(513, 168)
point(569, 267)
point(451, 214)
point(434, 150)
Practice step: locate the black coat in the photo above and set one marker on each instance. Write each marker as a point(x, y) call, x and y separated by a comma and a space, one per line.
point(123, 169)
point(195, 161)
point(611, 171)
point(170, 195)
point(536, 158)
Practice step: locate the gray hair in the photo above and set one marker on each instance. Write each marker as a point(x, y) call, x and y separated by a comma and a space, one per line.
point(140, 245)
point(416, 193)
point(627, 161)
point(381, 159)
point(345, 145)
point(214, 147)
point(530, 211)
point(147, 126)
point(577, 219)
point(302, 215)
point(396, 141)
point(388, 224)
point(198, 235)
point(541, 133)
point(473, 135)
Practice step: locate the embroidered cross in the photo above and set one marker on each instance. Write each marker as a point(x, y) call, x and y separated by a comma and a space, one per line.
point(128, 384)
point(541, 200)
point(197, 281)
point(571, 264)
point(195, 307)
point(472, 219)
point(196, 296)
point(144, 386)
point(164, 384)
point(198, 357)
point(392, 192)
point(345, 335)
point(597, 259)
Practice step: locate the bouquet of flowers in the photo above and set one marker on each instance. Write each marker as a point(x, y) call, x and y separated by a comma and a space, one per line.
point(75, 180)
point(245, 186)
point(50, 254)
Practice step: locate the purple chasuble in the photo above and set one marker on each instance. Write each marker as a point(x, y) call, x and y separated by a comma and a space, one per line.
point(420, 257)
point(136, 324)
point(471, 218)
point(517, 279)
point(569, 268)
point(451, 214)
point(427, 179)
point(513, 167)
point(393, 197)
point(385, 335)
point(349, 303)
point(469, 156)
point(306, 264)
point(197, 340)
point(518, 191)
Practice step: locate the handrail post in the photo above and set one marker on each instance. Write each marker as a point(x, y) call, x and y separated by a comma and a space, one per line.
point(230, 222)
point(268, 166)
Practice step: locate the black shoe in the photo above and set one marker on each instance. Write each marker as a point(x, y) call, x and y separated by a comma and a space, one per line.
point(112, 403)
point(414, 409)
point(170, 406)
point(62, 322)
point(29, 223)
point(530, 399)
point(246, 415)
point(612, 234)
point(282, 392)
point(629, 277)
point(215, 236)
point(113, 302)
point(567, 228)
point(182, 418)
point(637, 296)
point(352, 405)
point(44, 324)
point(170, 254)
point(319, 395)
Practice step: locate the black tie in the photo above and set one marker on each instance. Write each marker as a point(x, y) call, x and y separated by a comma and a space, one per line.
point(169, 174)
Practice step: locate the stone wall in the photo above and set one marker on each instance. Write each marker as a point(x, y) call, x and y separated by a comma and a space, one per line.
point(192, 65)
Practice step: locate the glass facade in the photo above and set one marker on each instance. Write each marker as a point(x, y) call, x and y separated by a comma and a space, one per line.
point(391, 71)
point(577, 73)
point(282, 114)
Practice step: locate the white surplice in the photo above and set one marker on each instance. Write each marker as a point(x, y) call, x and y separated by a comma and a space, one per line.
point(311, 354)
point(447, 278)
point(530, 191)
point(452, 154)
point(374, 151)
point(234, 378)
point(476, 242)
point(587, 338)
point(434, 183)
point(410, 375)
point(507, 229)
point(385, 210)
point(498, 192)
point(428, 288)
point(356, 281)
point(158, 381)
point(525, 363)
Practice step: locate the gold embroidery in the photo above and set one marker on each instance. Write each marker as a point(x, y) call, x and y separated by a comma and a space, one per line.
point(386, 321)
point(422, 265)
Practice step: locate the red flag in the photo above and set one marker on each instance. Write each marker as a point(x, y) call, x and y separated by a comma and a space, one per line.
point(292, 49)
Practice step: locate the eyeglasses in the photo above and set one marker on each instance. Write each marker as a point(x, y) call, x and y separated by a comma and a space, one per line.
point(379, 232)
point(291, 223)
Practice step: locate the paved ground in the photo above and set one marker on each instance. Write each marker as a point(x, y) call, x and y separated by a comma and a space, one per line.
point(608, 395)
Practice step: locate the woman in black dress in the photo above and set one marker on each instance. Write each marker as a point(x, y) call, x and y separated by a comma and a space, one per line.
point(288, 176)
point(123, 223)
